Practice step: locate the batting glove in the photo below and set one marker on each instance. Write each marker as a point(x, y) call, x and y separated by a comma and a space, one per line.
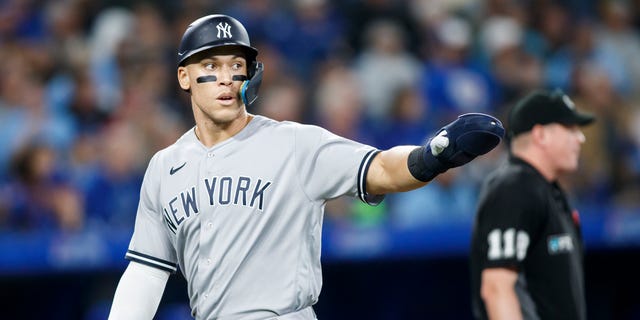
point(459, 142)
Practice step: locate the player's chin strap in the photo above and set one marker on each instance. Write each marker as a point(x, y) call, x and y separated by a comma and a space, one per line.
point(249, 88)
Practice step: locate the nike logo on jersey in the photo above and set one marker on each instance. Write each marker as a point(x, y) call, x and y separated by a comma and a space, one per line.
point(174, 170)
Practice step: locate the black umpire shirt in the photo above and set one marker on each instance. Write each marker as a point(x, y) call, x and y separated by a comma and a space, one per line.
point(525, 223)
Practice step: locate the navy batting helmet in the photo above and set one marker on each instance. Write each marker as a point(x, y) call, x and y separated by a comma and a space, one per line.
point(212, 31)
point(219, 30)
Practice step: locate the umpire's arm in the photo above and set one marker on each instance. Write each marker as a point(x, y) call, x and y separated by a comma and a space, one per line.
point(499, 295)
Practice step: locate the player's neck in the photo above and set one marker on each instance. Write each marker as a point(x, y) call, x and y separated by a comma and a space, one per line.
point(210, 133)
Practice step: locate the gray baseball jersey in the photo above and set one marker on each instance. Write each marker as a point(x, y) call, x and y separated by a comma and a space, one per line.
point(243, 219)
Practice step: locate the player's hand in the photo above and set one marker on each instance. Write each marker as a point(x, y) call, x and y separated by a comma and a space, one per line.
point(469, 136)
point(459, 142)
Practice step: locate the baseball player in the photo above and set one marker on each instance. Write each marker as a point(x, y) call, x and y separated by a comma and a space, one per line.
point(236, 204)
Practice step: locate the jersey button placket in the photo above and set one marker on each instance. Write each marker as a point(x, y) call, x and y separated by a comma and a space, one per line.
point(207, 263)
point(207, 225)
point(209, 162)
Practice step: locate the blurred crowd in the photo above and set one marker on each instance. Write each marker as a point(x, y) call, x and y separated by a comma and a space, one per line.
point(88, 92)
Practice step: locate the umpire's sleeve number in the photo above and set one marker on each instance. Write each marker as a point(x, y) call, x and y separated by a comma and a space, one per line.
point(507, 244)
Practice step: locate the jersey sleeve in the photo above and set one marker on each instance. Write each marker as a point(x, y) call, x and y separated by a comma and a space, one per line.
point(150, 243)
point(509, 218)
point(331, 166)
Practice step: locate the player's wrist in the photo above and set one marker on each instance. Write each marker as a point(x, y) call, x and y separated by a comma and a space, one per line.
point(423, 165)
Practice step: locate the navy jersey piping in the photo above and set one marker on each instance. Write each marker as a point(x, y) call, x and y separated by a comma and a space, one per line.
point(151, 261)
point(362, 178)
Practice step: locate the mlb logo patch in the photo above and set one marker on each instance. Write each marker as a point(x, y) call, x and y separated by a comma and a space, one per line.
point(560, 244)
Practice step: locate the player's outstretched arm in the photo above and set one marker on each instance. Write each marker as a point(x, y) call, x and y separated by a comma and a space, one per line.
point(139, 292)
point(406, 168)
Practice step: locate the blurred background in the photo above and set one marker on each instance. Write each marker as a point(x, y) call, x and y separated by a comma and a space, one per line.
point(88, 93)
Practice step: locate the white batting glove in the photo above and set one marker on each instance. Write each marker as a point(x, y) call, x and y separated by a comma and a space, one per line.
point(439, 143)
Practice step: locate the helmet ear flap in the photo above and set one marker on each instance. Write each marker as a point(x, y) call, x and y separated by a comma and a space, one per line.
point(249, 88)
point(253, 66)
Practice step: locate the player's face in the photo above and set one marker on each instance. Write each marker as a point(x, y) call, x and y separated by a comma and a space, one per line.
point(210, 78)
point(564, 146)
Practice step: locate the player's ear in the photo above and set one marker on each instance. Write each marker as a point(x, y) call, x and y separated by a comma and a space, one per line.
point(183, 78)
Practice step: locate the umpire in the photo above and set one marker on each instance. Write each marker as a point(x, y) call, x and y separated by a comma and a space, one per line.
point(526, 249)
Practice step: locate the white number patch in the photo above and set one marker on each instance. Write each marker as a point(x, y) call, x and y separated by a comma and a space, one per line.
point(507, 244)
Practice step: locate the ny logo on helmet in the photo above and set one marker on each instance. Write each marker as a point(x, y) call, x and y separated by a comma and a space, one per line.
point(225, 29)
